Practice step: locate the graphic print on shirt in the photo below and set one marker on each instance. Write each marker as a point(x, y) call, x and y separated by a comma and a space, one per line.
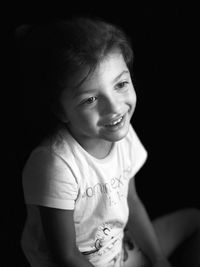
point(106, 238)
point(113, 190)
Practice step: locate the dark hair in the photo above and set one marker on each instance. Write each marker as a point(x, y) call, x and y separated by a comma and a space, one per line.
point(51, 53)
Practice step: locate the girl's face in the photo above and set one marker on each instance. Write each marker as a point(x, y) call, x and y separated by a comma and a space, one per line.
point(100, 109)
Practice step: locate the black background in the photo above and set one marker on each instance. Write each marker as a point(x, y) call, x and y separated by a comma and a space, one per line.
point(165, 43)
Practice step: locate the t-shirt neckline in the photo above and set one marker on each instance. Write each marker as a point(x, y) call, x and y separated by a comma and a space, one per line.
point(75, 145)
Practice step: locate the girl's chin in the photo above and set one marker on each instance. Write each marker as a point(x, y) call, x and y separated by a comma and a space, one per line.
point(114, 136)
point(117, 132)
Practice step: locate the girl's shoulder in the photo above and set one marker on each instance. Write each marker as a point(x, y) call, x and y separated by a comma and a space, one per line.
point(134, 148)
point(49, 151)
point(132, 139)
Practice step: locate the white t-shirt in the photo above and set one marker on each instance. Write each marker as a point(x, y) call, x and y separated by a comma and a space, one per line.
point(64, 176)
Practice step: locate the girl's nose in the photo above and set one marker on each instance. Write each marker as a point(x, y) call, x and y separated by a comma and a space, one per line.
point(111, 105)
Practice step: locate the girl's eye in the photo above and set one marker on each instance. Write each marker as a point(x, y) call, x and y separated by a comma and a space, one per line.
point(90, 100)
point(122, 85)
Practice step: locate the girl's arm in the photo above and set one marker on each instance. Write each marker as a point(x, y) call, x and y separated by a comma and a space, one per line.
point(59, 231)
point(142, 230)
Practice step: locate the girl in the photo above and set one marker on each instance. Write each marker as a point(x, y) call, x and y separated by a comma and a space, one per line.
point(79, 180)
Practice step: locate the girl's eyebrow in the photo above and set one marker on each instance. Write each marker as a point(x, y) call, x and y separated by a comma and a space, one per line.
point(78, 91)
point(119, 76)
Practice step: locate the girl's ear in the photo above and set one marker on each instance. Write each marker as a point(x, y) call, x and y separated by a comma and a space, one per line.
point(63, 118)
point(59, 114)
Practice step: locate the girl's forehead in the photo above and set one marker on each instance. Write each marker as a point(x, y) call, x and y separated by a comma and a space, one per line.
point(108, 69)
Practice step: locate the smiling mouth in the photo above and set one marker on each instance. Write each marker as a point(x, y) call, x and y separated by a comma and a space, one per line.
point(115, 122)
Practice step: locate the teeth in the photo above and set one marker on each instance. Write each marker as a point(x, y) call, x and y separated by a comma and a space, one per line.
point(116, 122)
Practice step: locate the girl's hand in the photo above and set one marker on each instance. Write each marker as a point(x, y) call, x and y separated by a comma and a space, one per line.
point(162, 263)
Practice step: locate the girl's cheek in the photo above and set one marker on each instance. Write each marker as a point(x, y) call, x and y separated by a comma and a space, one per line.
point(90, 117)
point(85, 116)
point(133, 96)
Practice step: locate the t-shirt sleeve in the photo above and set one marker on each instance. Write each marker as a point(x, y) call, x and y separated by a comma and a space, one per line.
point(49, 181)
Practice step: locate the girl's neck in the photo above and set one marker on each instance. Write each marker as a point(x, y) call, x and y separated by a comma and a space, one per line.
point(99, 150)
